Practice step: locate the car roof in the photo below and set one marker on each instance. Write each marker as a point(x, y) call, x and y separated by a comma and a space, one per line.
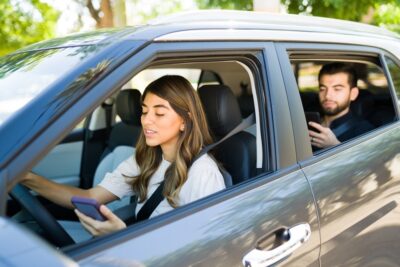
point(271, 21)
point(172, 27)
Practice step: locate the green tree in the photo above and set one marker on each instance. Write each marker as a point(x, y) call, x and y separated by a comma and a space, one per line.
point(341, 9)
point(226, 4)
point(25, 22)
point(388, 16)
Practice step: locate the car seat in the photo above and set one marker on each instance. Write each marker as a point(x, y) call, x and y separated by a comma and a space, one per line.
point(122, 139)
point(120, 146)
point(237, 154)
point(376, 108)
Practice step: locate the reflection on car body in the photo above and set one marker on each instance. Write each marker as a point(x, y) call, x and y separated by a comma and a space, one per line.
point(344, 198)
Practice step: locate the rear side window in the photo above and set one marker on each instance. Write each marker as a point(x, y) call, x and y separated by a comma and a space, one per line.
point(372, 105)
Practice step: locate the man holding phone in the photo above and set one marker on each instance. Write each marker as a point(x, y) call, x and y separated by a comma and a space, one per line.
point(337, 88)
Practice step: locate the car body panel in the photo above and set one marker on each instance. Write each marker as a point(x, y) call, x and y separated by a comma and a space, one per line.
point(357, 192)
point(223, 233)
point(24, 248)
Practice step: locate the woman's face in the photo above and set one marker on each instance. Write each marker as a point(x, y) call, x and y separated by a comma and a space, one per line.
point(161, 124)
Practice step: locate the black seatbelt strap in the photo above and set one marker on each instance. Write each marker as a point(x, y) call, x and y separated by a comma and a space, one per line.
point(151, 204)
point(246, 123)
point(341, 129)
point(156, 198)
point(108, 114)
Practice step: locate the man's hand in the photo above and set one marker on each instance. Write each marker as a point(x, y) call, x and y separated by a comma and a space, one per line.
point(325, 137)
point(96, 228)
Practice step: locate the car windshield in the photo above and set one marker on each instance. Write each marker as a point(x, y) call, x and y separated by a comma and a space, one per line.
point(24, 75)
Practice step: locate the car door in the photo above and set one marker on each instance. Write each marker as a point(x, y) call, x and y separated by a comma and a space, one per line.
point(356, 184)
point(268, 219)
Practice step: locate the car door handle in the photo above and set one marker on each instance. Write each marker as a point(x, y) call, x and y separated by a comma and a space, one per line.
point(277, 245)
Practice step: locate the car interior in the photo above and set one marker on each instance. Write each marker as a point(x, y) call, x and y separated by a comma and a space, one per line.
point(109, 134)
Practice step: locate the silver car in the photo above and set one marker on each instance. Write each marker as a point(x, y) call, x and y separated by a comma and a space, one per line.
point(287, 206)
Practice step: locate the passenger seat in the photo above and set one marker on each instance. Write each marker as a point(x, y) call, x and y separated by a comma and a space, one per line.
point(237, 154)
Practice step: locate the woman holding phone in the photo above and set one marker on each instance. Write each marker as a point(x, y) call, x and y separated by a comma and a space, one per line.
point(174, 130)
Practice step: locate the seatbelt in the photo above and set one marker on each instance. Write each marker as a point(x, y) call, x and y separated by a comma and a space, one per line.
point(156, 198)
point(151, 204)
point(341, 129)
point(108, 115)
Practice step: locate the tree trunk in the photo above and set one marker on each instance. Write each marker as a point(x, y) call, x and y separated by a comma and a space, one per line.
point(102, 16)
point(107, 18)
point(367, 18)
point(119, 9)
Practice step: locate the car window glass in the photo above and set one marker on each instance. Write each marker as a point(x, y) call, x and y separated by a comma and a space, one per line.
point(372, 106)
point(142, 79)
point(395, 76)
point(24, 75)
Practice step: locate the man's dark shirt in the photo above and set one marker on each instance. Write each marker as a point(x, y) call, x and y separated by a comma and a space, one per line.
point(349, 126)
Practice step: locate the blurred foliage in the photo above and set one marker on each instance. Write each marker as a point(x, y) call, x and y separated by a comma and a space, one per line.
point(341, 9)
point(388, 16)
point(384, 13)
point(25, 22)
point(226, 4)
point(164, 8)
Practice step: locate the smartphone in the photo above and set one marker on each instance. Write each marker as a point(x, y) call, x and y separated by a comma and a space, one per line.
point(88, 206)
point(315, 117)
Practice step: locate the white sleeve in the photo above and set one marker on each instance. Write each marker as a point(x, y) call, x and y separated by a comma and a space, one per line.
point(204, 178)
point(117, 181)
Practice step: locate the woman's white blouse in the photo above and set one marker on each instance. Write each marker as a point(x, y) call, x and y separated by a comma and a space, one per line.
point(204, 178)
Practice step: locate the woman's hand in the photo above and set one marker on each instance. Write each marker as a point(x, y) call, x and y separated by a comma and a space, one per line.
point(29, 176)
point(96, 228)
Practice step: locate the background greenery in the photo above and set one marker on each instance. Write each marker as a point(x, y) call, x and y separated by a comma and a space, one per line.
point(23, 22)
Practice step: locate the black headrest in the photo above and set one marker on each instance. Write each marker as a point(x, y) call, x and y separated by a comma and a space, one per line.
point(129, 108)
point(364, 104)
point(221, 108)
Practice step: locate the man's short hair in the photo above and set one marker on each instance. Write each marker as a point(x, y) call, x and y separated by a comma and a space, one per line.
point(339, 67)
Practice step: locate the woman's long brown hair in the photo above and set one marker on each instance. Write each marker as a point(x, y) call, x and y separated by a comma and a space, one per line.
point(186, 103)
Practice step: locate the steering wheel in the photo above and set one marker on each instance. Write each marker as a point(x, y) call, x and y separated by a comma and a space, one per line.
point(57, 235)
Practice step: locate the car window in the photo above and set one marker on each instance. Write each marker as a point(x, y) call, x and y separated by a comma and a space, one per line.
point(142, 79)
point(395, 76)
point(372, 105)
point(25, 75)
point(124, 133)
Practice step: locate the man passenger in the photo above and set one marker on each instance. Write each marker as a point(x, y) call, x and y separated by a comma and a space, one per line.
point(337, 88)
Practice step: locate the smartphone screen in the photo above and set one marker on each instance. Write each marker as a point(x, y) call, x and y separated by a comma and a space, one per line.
point(315, 117)
point(88, 206)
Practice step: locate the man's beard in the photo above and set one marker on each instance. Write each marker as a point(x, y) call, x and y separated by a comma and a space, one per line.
point(335, 111)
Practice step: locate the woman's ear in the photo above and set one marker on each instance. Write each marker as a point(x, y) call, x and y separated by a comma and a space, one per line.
point(182, 128)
